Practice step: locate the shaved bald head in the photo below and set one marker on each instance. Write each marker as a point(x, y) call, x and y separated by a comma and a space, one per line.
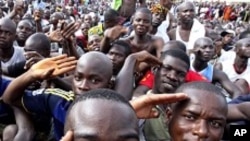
point(8, 24)
point(38, 42)
point(199, 42)
point(184, 5)
point(99, 59)
point(93, 71)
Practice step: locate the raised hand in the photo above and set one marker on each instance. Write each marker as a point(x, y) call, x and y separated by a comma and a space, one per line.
point(19, 6)
point(69, 136)
point(70, 29)
point(144, 56)
point(55, 36)
point(115, 32)
point(52, 67)
point(145, 106)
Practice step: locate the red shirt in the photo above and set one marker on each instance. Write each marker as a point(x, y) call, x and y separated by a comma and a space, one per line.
point(148, 79)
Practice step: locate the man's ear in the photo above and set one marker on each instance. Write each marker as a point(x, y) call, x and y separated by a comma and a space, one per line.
point(111, 83)
point(155, 69)
point(169, 114)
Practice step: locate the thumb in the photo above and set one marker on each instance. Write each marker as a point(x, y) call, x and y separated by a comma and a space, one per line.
point(68, 136)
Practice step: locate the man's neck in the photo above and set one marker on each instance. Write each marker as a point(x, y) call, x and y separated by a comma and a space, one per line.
point(6, 54)
point(20, 43)
point(140, 38)
point(199, 65)
point(240, 62)
point(153, 31)
point(186, 26)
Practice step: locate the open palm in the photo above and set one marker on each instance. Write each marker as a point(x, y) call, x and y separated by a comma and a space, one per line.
point(52, 67)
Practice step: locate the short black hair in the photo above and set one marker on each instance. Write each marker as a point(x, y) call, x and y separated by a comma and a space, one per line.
point(110, 14)
point(177, 53)
point(178, 44)
point(144, 10)
point(102, 93)
point(198, 85)
point(244, 34)
point(124, 45)
point(201, 85)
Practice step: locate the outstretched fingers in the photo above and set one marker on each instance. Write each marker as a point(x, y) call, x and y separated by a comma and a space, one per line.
point(157, 99)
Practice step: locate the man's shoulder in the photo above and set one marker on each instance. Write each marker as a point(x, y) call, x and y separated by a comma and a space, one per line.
point(54, 92)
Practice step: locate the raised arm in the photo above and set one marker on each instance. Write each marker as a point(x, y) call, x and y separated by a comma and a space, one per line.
point(25, 126)
point(238, 112)
point(47, 68)
point(228, 85)
point(125, 78)
point(110, 35)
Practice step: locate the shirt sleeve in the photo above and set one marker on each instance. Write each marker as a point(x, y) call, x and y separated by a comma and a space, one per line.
point(46, 101)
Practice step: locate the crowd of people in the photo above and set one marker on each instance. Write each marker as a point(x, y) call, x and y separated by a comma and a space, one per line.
point(123, 70)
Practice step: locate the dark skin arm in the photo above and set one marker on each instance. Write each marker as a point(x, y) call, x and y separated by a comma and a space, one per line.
point(172, 20)
point(238, 111)
point(125, 78)
point(69, 39)
point(229, 86)
point(171, 34)
point(140, 90)
point(38, 26)
point(110, 35)
point(39, 71)
point(159, 43)
point(25, 126)
point(17, 10)
point(62, 83)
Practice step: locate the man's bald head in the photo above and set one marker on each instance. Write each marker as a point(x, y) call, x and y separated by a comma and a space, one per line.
point(185, 5)
point(99, 60)
point(93, 71)
point(38, 42)
point(200, 41)
point(7, 23)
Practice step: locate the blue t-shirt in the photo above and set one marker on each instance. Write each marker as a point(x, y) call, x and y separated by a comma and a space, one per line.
point(240, 99)
point(49, 102)
point(5, 109)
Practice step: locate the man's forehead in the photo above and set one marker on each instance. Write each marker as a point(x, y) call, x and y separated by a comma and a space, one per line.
point(204, 98)
point(186, 5)
point(171, 61)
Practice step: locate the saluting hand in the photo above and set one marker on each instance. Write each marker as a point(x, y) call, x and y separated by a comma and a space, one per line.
point(145, 106)
point(52, 67)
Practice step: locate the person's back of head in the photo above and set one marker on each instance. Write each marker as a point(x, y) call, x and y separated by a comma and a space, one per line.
point(174, 45)
point(124, 45)
point(102, 114)
point(244, 34)
point(38, 42)
point(110, 14)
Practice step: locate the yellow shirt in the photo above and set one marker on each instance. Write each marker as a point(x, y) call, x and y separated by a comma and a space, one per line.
point(96, 30)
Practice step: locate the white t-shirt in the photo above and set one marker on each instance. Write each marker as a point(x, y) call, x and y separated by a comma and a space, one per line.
point(17, 57)
point(228, 68)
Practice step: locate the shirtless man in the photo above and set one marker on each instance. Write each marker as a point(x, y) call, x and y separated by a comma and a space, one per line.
point(140, 40)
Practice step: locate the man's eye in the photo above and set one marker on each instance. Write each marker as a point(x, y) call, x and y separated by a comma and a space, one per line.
point(215, 124)
point(189, 117)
